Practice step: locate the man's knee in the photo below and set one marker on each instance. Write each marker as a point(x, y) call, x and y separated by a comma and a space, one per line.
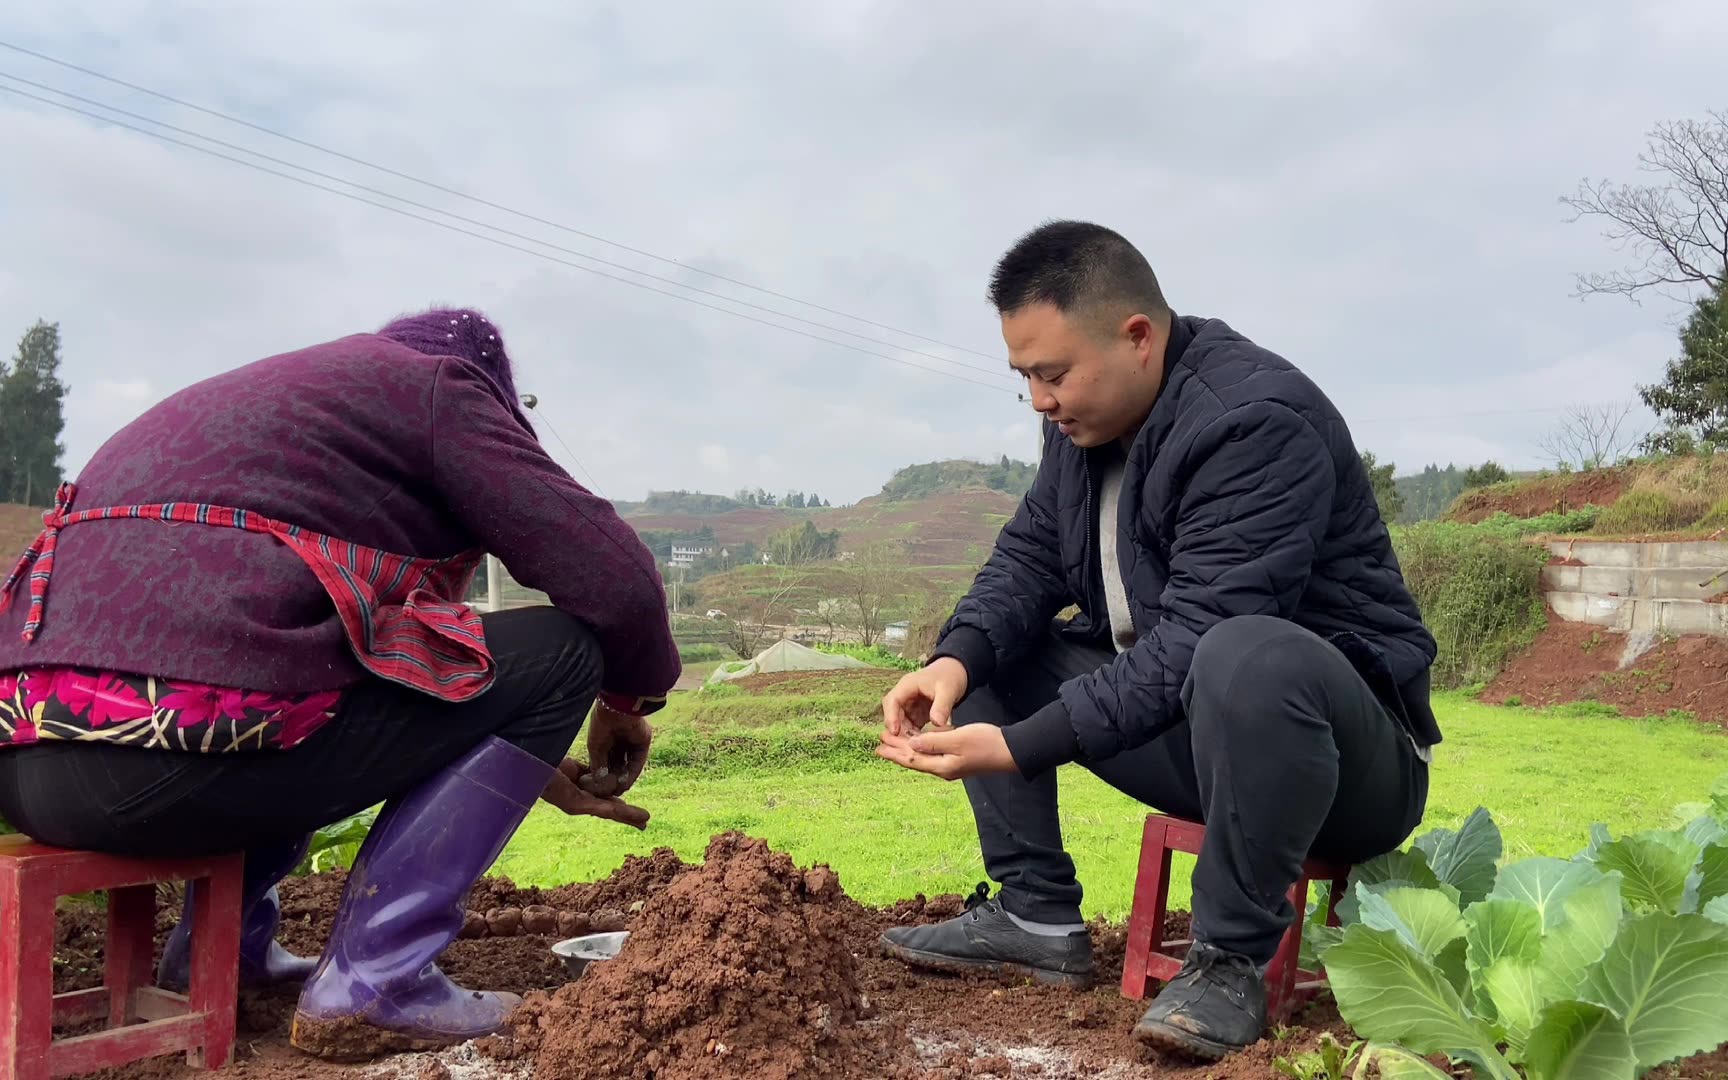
point(1248, 658)
point(982, 706)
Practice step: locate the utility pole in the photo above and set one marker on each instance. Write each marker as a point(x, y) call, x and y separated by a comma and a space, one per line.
point(1037, 433)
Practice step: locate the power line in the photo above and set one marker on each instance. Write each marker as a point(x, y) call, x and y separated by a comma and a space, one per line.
point(501, 243)
point(549, 427)
point(483, 201)
point(1401, 419)
point(478, 200)
point(578, 266)
point(486, 225)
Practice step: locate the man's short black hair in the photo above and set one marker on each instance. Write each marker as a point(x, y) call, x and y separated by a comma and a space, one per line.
point(1075, 265)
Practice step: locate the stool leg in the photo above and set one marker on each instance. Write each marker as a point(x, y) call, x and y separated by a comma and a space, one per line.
point(1146, 918)
point(216, 964)
point(131, 930)
point(26, 976)
point(1281, 976)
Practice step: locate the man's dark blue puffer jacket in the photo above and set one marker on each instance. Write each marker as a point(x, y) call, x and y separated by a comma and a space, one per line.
point(1243, 494)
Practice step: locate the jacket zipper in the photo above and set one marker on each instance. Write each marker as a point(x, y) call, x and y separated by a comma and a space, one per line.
point(1086, 550)
point(1103, 596)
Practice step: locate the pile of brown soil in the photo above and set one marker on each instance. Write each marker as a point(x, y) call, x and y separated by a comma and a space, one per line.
point(497, 908)
point(1571, 662)
point(638, 878)
point(742, 967)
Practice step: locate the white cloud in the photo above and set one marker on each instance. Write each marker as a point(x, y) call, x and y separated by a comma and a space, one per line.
point(1334, 183)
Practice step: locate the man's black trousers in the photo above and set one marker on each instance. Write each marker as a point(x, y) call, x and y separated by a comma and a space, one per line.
point(1283, 752)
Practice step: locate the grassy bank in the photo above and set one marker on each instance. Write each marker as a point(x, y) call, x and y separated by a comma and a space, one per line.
point(1678, 494)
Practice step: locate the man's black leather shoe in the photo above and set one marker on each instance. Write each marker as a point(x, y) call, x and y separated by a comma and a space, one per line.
point(1214, 1006)
point(984, 939)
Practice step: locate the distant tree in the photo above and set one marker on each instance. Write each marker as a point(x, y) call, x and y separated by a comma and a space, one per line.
point(1427, 494)
point(1591, 436)
point(795, 500)
point(802, 544)
point(875, 580)
point(1385, 487)
point(32, 418)
point(747, 634)
point(1482, 475)
point(929, 478)
point(1677, 228)
point(688, 502)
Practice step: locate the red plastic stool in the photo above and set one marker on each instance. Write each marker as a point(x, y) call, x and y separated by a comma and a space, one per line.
point(1150, 957)
point(143, 1021)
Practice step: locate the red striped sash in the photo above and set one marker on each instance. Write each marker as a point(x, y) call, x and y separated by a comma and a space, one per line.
point(403, 616)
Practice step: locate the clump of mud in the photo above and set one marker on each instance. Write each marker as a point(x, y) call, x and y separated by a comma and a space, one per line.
point(739, 967)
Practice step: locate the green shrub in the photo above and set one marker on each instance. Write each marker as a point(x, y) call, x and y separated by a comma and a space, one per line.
point(1480, 591)
point(1643, 511)
point(874, 655)
point(701, 652)
point(1556, 522)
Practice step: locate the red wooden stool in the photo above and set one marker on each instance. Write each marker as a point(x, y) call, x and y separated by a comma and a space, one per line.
point(143, 1021)
point(1150, 957)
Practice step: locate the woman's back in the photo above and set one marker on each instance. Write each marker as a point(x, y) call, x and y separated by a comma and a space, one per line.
point(362, 439)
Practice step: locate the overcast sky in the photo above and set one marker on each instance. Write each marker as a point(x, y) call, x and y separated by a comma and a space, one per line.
point(1369, 189)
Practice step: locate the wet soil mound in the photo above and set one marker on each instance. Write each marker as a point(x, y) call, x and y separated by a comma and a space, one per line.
point(742, 967)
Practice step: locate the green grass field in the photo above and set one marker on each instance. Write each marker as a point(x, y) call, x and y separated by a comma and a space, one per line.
point(797, 770)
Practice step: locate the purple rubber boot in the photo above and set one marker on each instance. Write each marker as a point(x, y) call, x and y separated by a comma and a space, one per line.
point(262, 961)
point(377, 988)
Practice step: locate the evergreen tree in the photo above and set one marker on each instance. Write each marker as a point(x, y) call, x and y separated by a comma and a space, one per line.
point(1489, 472)
point(32, 418)
point(1385, 488)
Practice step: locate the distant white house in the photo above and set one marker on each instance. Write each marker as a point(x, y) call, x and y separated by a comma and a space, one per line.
point(687, 556)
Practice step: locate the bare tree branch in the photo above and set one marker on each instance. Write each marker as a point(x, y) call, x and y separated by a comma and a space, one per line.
point(1591, 436)
point(747, 633)
point(1675, 229)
